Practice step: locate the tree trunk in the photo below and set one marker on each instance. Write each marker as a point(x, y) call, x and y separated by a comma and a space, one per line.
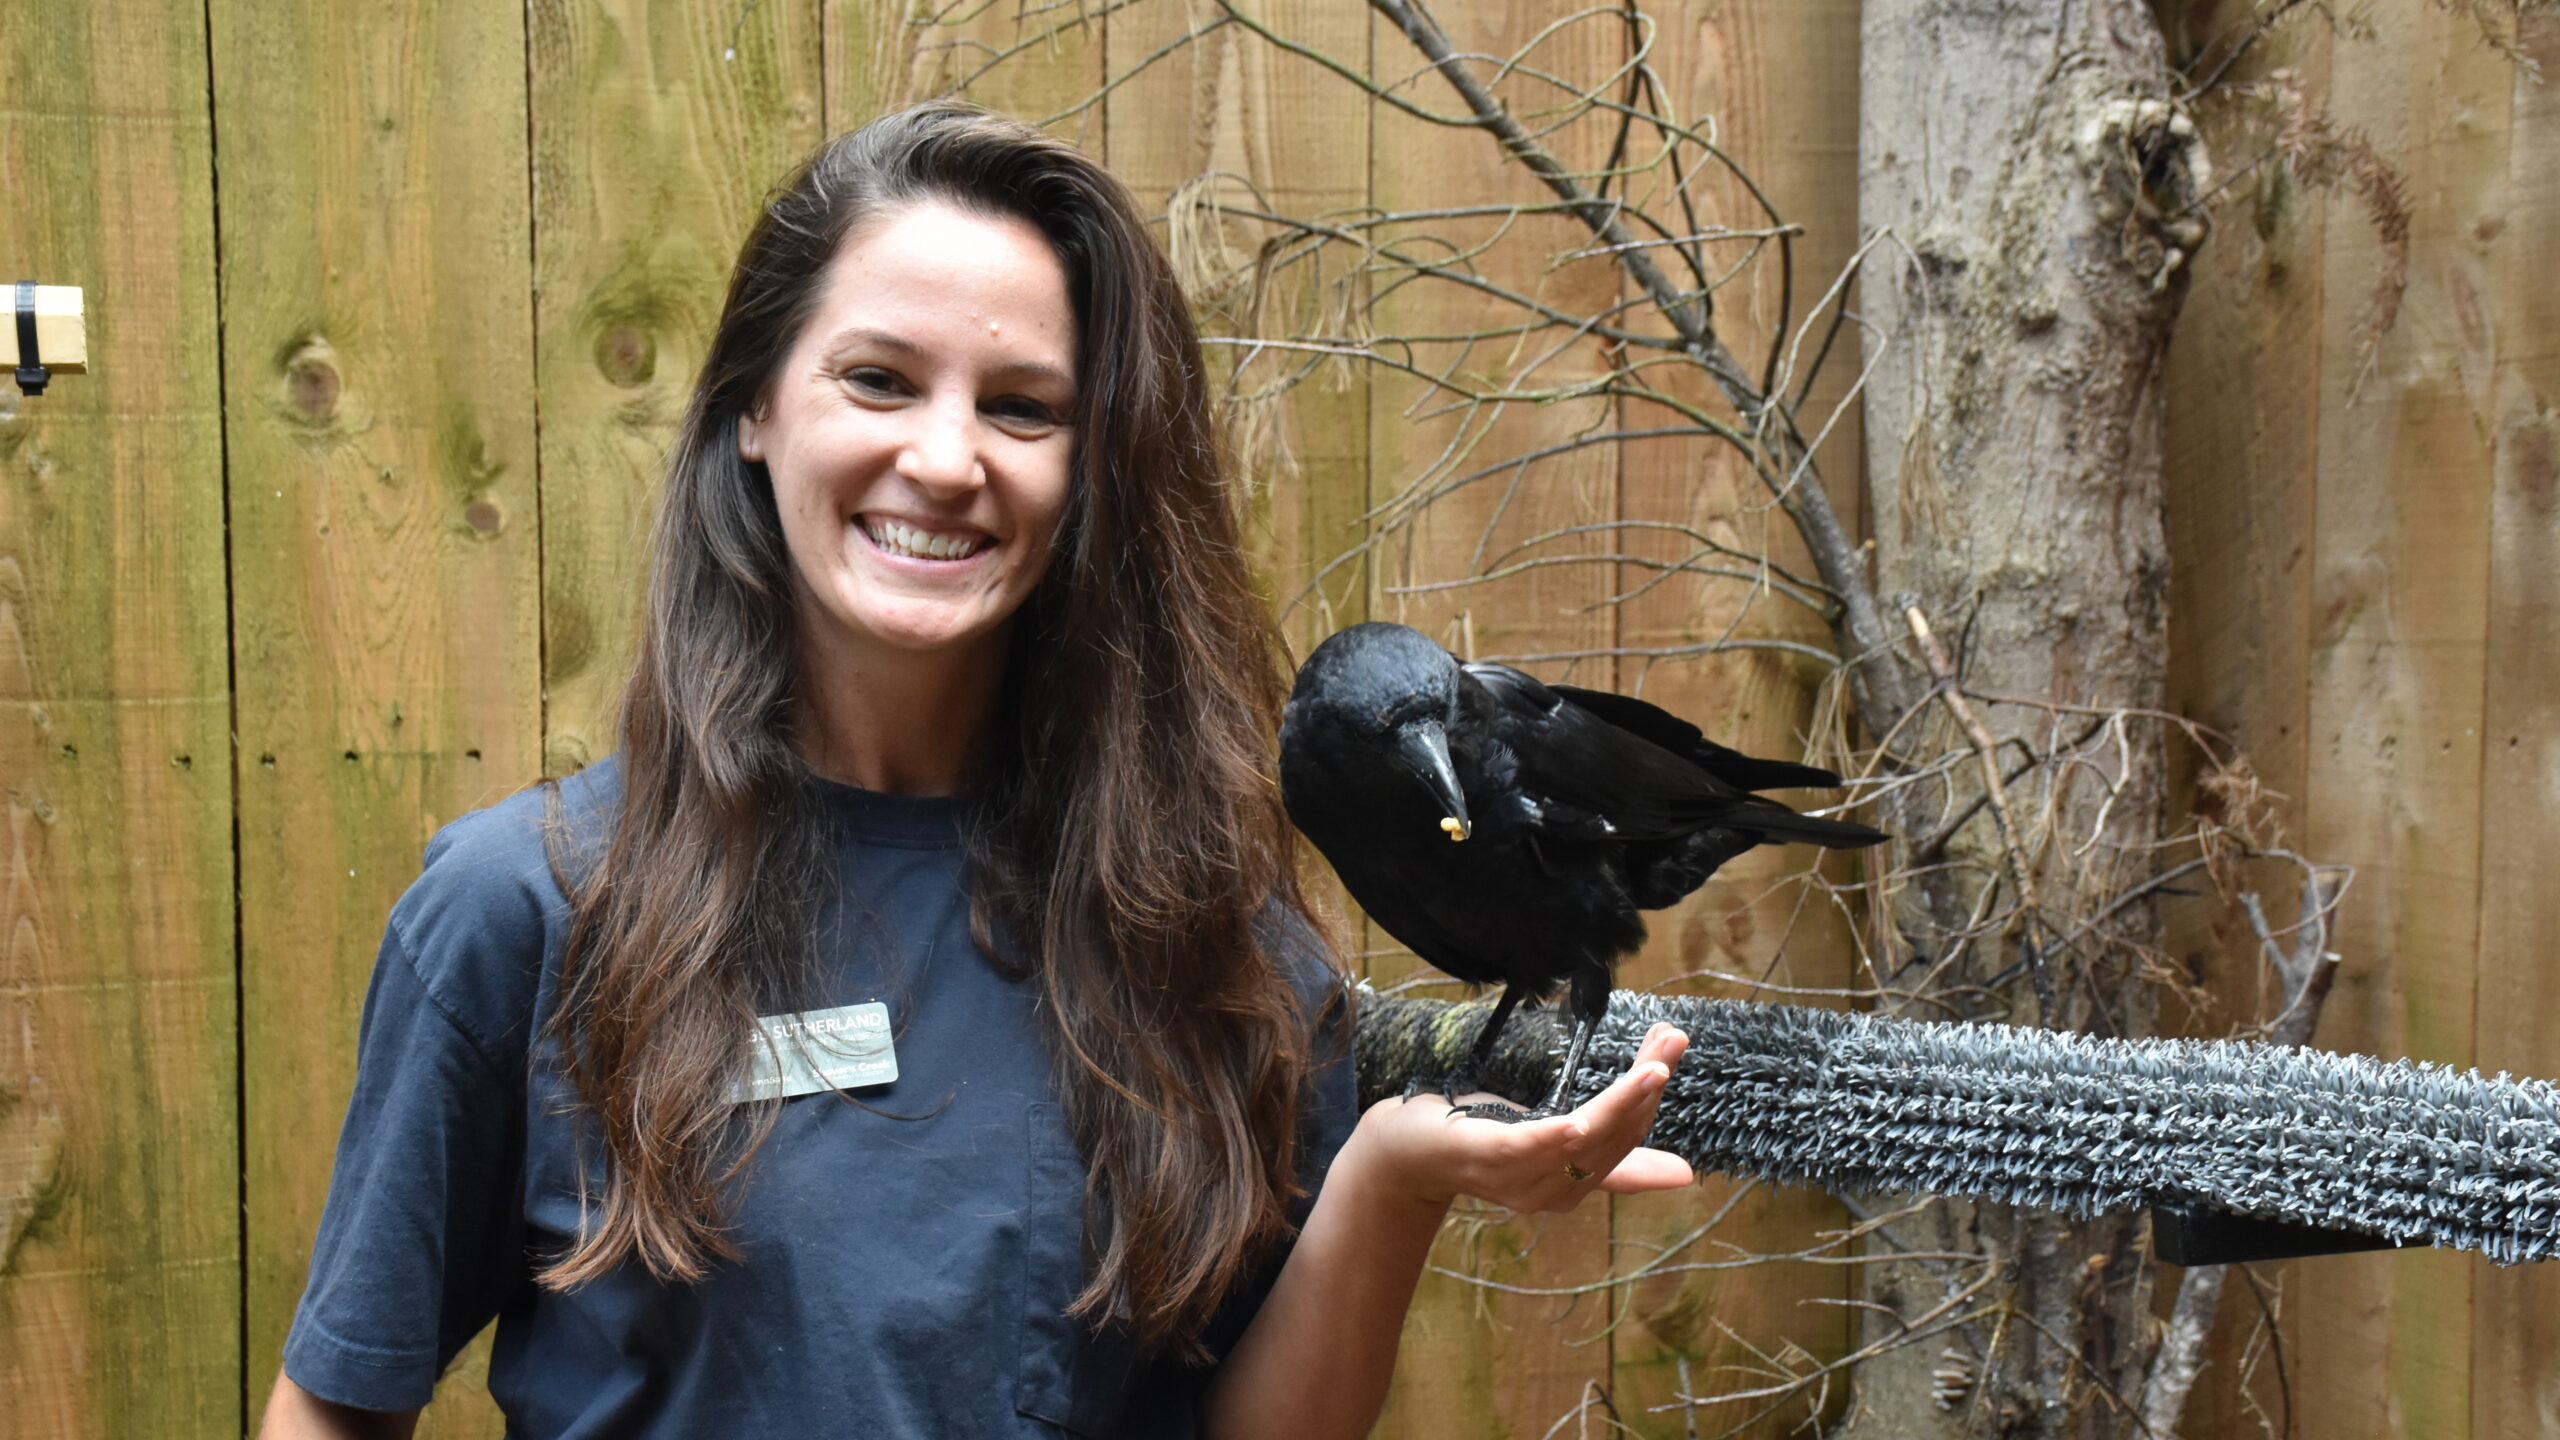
point(2038, 181)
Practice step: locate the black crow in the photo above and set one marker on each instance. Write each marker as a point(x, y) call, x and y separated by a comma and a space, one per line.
point(1509, 830)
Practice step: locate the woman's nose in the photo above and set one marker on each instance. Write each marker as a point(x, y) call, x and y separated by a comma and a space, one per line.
point(941, 449)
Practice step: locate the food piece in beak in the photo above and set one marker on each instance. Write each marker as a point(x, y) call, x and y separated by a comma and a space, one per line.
point(1424, 747)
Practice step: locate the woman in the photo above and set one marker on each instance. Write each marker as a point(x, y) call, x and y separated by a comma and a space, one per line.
point(950, 724)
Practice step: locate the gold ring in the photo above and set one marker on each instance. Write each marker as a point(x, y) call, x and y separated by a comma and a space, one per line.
point(1575, 1173)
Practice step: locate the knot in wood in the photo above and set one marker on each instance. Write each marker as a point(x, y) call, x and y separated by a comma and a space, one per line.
point(627, 355)
point(313, 384)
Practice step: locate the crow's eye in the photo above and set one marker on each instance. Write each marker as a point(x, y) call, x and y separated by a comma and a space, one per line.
point(1411, 711)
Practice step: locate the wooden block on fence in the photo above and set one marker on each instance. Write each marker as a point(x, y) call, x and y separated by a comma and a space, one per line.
point(62, 328)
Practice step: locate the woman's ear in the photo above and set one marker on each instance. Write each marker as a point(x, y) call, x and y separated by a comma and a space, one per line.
point(750, 439)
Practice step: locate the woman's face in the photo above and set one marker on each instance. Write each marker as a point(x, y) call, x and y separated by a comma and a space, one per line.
point(918, 435)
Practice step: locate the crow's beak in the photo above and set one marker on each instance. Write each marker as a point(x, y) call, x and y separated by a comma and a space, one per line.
point(1424, 745)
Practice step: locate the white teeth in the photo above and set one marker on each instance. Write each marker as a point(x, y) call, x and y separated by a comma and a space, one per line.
point(902, 539)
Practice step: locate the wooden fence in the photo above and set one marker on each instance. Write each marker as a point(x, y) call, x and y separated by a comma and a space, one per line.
point(394, 306)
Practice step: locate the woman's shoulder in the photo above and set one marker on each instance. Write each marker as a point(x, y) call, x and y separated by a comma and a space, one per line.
point(479, 921)
point(1306, 958)
point(502, 855)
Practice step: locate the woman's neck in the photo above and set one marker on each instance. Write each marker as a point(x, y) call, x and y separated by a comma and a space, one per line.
point(901, 723)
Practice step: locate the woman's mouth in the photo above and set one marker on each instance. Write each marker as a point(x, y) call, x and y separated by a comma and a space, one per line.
point(913, 542)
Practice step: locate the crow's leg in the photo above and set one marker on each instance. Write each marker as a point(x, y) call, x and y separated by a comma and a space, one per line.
point(1554, 1103)
point(1590, 1005)
point(1469, 1076)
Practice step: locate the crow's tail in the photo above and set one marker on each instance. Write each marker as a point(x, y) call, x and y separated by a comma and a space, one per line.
point(1747, 772)
point(1782, 826)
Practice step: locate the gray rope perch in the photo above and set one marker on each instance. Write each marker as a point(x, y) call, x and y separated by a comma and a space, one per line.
point(2418, 1153)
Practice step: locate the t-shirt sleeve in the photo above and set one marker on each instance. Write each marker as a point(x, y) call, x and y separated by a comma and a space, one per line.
point(421, 1241)
point(1332, 1104)
point(1326, 1114)
point(1169, 1402)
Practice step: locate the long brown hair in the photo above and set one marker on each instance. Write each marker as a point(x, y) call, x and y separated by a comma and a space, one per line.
point(1124, 830)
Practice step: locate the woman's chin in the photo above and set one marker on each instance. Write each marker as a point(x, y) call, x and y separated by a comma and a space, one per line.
point(924, 636)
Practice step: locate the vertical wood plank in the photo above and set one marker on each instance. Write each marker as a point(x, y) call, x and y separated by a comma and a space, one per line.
point(1030, 59)
point(2515, 1388)
point(1246, 124)
point(864, 47)
point(1778, 84)
point(1477, 1361)
point(2400, 595)
point(2244, 396)
point(657, 131)
point(2243, 393)
point(379, 384)
point(1249, 125)
point(119, 1147)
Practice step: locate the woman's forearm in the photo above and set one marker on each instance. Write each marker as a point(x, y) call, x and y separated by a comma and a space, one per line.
point(294, 1413)
point(1316, 1361)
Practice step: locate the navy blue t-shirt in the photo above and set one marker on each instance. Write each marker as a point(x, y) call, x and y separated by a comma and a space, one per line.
point(907, 1259)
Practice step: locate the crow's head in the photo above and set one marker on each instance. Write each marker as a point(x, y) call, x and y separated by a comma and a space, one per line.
point(1388, 691)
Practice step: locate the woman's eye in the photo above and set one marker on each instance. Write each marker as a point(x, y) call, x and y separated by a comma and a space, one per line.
point(872, 380)
point(1022, 410)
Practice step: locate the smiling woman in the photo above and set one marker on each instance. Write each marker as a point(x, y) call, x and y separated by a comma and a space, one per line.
point(950, 736)
point(918, 443)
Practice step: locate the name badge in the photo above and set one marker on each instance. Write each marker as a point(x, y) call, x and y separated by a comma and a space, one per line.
point(847, 1048)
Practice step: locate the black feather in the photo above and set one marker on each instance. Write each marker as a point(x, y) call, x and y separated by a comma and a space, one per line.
point(1682, 738)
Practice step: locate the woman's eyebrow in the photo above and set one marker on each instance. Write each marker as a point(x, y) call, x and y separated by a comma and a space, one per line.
point(892, 340)
point(885, 339)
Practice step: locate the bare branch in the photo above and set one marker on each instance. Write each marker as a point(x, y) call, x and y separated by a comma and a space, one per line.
point(1802, 495)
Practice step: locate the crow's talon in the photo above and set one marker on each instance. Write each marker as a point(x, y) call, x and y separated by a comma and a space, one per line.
point(1448, 1088)
point(1497, 1110)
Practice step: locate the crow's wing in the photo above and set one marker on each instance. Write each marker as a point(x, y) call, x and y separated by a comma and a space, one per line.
point(1573, 755)
point(1744, 772)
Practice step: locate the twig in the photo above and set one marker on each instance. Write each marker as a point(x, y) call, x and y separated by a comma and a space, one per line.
point(2310, 970)
point(1987, 751)
point(2257, 31)
point(2307, 973)
point(1665, 652)
point(2181, 1355)
point(1936, 844)
point(2176, 872)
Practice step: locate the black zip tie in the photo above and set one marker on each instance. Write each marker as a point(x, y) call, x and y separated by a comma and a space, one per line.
point(32, 374)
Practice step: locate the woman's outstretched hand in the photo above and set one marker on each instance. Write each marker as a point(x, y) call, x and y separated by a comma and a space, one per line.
point(1338, 1307)
point(1434, 1155)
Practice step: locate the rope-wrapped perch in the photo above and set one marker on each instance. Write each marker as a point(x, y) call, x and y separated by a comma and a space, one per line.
point(2420, 1153)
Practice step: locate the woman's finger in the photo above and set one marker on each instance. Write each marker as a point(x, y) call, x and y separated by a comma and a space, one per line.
point(1553, 1163)
point(1622, 1113)
point(1645, 1168)
point(1613, 1125)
